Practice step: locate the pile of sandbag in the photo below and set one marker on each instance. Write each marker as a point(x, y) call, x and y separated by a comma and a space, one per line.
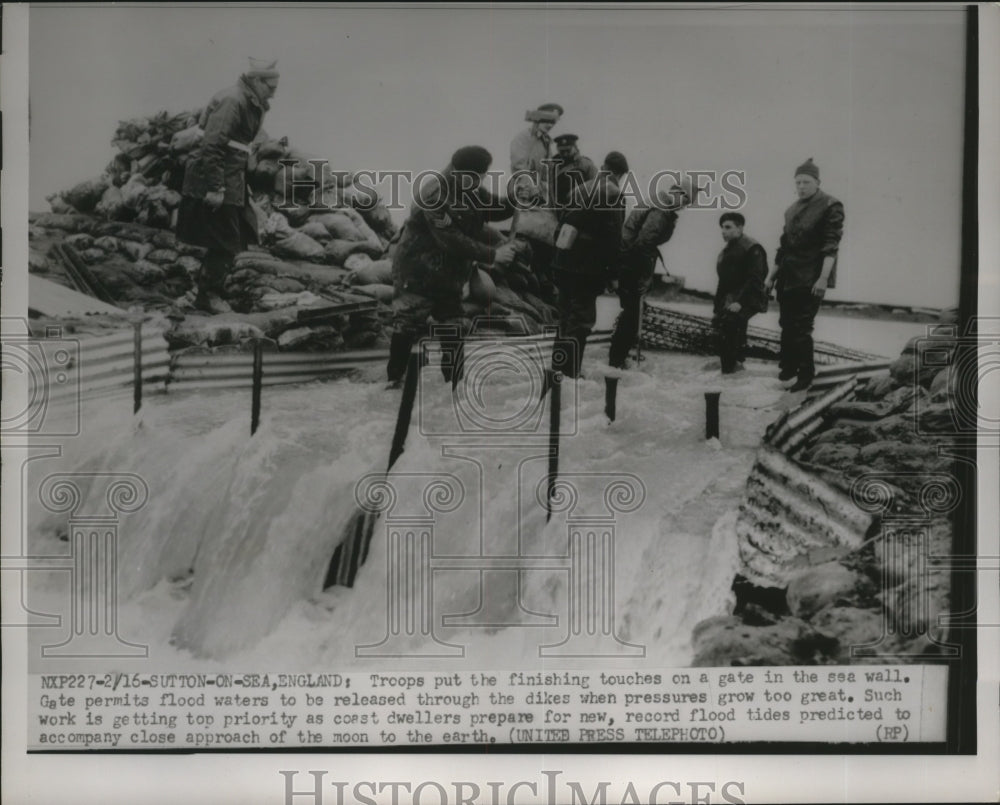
point(142, 183)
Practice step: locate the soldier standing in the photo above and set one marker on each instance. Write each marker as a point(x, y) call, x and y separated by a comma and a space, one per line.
point(742, 269)
point(804, 267)
point(215, 212)
point(444, 234)
point(571, 169)
point(587, 247)
point(531, 149)
point(646, 229)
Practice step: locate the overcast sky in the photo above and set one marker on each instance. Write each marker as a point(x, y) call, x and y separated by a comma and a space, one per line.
point(875, 97)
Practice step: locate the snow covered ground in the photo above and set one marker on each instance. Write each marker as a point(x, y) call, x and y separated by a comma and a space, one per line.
point(257, 519)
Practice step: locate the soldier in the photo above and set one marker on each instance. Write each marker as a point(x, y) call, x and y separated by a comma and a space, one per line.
point(804, 267)
point(571, 170)
point(531, 149)
point(215, 211)
point(445, 233)
point(587, 247)
point(646, 229)
point(742, 269)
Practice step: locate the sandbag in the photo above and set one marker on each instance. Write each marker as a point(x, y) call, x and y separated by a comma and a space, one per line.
point(337, 250)
point(482, 289)
point(339, 225)
point(134, 192)
point(357, 261)
point(111, 203)
point(187, 139)
point(147, 272)
point(298, 244)
point(135, 250)
point(275, 226)
point(108, 242)
point(86, 195)
point(378, 272)
point(80, 240)
point(299, 215)
point(381, 292)
point(316, 231)
point(162, 257)
point(538, 225)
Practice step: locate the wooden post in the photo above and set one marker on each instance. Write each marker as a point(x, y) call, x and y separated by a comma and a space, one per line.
point(712, 414)
point(555, 410)
point(258, 378)
point(137, 368)
point(610, 397)
point(405, 406)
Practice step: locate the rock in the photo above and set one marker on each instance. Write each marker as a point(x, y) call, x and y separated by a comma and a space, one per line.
point(834, 455)
point(943, 385)
point(901, 554)
point(915, 605)
point(898, 428)
point(148, 273)
point(851, 627)
point(162, 256)
point(726, 641)
point(847, 434)
point(903, 369)
point(80, 240)
point(938, 418)
point(92, 255)
point(881, 386)
point(813, 588)
point(904, 459)
point(134, 250)
point(111, 204)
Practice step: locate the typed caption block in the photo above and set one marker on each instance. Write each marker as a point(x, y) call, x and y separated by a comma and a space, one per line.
point(859, 704)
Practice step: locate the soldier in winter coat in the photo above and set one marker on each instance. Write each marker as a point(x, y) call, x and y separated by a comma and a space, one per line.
point(443, 237)
point(742, 269)
point(646, 229)
point(584, 269)
point(215, 212)
point(804, 267)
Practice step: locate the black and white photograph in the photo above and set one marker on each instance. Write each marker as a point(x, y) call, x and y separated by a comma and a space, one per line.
point(496, 382)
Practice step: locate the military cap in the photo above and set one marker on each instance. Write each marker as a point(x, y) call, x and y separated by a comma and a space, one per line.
point(551, 107)
point(566, 139)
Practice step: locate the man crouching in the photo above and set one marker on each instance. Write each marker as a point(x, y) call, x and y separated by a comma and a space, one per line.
point(444, 235)
point(742, 269)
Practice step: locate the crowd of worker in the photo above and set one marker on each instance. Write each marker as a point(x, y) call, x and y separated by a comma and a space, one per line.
point(595, 246)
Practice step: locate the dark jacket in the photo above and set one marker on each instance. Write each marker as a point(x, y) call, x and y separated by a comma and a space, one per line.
point(813, 229)
point(437, 247)
point(645, 230)
point(567, 176)
point(598, 213)
point(233, 115)
point(742, 270)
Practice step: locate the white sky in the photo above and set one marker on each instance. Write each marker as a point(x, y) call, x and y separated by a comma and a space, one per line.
point(875, 97)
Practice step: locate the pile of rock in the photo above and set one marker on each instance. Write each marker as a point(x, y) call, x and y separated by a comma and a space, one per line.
point(842, 605)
